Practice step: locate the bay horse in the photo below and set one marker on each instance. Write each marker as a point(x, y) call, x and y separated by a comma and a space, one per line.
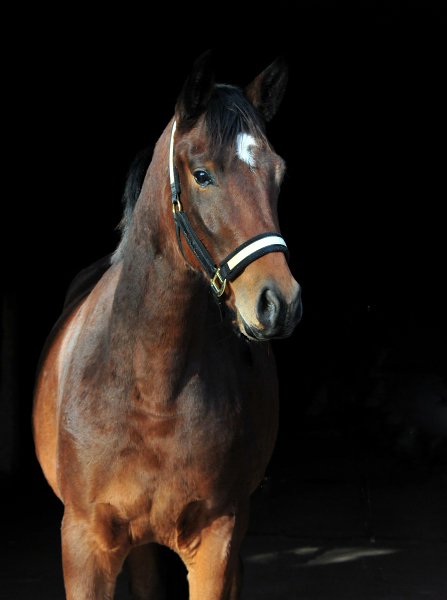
point(156, 401)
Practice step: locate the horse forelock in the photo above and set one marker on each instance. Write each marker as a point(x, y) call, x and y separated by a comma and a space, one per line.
point(229, 115)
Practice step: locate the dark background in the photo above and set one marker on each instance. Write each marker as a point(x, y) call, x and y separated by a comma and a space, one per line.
point(361, 207)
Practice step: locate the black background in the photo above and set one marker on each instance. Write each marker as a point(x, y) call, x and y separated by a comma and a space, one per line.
point(361, 206)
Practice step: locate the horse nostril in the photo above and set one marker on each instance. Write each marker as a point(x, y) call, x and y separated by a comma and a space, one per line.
point(268, 307)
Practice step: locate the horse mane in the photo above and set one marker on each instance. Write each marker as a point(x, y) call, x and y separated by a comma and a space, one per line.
point(132, 189)
point(228, 113)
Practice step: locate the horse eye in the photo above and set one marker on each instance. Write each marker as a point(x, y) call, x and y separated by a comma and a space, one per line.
point(202, 178)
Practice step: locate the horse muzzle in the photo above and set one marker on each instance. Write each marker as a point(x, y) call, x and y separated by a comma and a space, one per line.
point(277, 317)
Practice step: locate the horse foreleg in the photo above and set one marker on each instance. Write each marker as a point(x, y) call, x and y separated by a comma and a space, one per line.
point(214, 568)
point(147, 571)
point(90, 565)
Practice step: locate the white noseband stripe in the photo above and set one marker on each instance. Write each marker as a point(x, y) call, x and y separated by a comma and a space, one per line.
point(254, 247)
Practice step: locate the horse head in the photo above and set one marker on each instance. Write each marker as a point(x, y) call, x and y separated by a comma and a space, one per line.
point(225, 181)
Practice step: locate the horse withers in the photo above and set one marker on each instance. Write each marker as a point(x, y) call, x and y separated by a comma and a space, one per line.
point(156, 404)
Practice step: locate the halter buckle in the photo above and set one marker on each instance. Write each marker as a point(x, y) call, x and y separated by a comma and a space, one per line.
point(223, 282)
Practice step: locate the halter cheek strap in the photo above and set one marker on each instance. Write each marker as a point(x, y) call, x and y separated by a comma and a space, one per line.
point(231, 266)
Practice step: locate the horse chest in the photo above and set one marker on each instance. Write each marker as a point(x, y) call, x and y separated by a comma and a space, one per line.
point(217, 441)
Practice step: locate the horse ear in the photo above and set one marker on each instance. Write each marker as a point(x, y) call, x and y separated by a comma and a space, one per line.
point(267, 90)
point(196, 91)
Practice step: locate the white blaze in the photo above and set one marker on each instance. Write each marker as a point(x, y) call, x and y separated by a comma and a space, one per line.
point(244, 148)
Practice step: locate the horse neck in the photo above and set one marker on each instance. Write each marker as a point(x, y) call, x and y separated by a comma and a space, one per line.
point(160, 303)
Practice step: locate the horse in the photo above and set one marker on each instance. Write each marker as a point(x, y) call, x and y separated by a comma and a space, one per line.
point(156, 401)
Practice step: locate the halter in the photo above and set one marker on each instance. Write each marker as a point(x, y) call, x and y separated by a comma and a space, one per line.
point(230, 267)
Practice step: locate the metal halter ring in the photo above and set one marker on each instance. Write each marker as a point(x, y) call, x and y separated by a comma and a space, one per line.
point(177, 203)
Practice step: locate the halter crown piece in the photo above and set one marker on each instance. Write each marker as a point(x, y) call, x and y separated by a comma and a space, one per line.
point(231, 266)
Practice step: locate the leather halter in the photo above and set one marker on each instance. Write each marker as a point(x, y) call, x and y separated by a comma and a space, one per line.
point(230, 267)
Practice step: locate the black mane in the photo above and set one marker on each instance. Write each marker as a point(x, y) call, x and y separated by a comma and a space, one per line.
point(134, 182)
